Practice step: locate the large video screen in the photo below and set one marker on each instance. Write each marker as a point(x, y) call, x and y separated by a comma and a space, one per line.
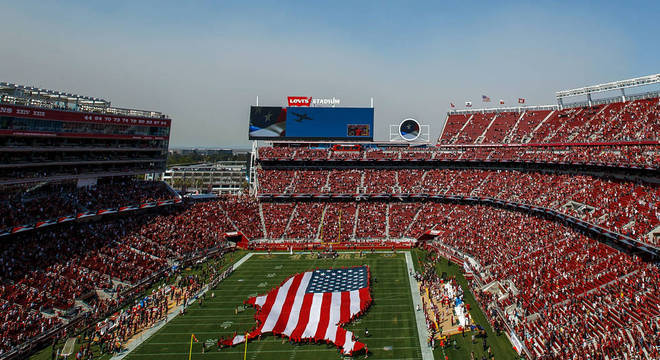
point(311, 123)
point(267, 122)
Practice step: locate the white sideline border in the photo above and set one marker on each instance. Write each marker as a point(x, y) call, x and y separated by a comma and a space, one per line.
point(145, 335)
point(427, 353)
point(422, 332)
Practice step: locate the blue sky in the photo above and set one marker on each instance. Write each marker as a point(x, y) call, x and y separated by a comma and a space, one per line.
point(204, 62)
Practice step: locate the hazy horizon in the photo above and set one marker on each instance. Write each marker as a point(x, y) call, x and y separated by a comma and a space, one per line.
point(204, 64)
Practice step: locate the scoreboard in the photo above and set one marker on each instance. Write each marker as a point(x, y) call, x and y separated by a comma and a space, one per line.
point(311, 123)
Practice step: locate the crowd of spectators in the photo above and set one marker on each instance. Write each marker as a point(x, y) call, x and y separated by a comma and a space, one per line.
point(305, 220)
point(607, 155)
point(371, 221)
point(27, 204)
point(619, 121)
point(615, 155)
point(570, 295)
point(276, 218)
point(243, 212)
point(627, 207)
point(49, 276)
point(566, 295)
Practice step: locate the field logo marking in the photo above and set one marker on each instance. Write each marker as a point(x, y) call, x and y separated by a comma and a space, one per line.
point(226, 324)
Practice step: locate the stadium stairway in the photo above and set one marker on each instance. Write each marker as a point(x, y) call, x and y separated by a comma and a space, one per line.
point(528, 137)
point(597, 115)
point(455, 137)
point(355, 220)
point(512, 131)
point(143, 253)
point(387, 219)
point(226, 214)
point(171, 189)
point(320, 226)
point(414, 220)
point(480, 138)
point(262, 221)
point(288, 222)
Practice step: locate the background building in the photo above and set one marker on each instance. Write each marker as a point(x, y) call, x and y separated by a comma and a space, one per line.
point(223, 177)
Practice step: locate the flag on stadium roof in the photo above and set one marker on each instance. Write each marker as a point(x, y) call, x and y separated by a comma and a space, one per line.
point(468, 104)
point(521, 100)
point(313, 305)
point(485, 98)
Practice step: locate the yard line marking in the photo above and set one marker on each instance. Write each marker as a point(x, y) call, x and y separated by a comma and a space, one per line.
point(215, 332)
point(252, 322)
point(278, 340)
point(261, 351)
point(153, 330)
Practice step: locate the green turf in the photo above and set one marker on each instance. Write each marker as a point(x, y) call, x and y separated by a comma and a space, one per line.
point(390, 320)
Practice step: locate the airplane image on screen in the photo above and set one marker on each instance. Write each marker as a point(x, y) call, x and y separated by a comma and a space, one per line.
point(301, 117)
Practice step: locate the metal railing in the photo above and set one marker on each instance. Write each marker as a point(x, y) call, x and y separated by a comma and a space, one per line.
point(517, 109)
point(92, 107)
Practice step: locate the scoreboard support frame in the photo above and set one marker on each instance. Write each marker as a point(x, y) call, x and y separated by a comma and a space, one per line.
point(423, 138)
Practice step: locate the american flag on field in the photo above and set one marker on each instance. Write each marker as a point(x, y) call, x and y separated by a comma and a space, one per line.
point(313, 305)
point(485, 98)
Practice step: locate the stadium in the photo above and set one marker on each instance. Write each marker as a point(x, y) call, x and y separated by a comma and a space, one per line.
point(331, 181)
point(530, 231)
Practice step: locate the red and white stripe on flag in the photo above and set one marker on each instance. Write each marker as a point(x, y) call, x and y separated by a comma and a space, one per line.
point(292, 310)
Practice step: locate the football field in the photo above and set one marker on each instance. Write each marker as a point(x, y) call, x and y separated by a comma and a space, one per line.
point(390, 319)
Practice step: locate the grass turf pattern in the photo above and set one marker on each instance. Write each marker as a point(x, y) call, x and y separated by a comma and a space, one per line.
point(390, 319)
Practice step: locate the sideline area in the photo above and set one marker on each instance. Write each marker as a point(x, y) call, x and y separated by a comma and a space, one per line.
point(135, 343)
point(422, 333)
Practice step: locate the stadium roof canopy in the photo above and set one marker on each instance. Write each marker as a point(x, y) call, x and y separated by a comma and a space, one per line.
point(30, 91)
point(32, 96)
point(615, 85)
